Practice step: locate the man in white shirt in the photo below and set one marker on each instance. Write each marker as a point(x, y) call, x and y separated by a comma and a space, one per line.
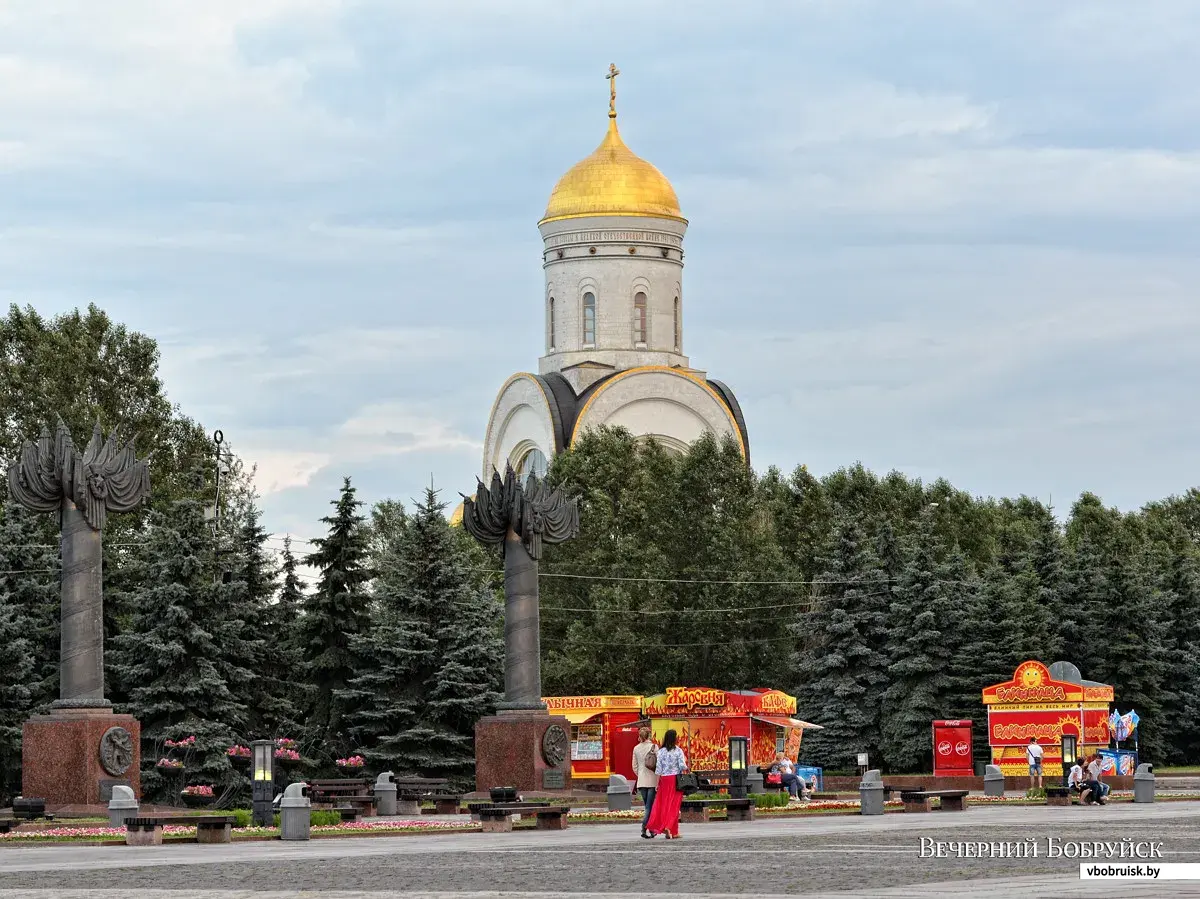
point(647, 780)
point(1033, 752)
point(1094, 768)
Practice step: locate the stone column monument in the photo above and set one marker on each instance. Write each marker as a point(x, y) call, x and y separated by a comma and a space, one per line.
point(522, 746)
point(81, 750)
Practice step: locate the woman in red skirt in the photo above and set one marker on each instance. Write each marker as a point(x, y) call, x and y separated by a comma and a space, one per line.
point(664, 817)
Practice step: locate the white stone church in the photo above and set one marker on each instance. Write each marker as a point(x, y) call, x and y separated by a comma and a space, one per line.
point(613, 257)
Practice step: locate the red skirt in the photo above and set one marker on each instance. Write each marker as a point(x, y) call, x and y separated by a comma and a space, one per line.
point(664, 816)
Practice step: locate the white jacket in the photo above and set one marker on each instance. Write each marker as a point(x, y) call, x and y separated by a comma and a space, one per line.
point(645, 777)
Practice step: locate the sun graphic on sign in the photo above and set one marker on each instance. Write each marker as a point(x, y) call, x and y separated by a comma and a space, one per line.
point(1030, 675)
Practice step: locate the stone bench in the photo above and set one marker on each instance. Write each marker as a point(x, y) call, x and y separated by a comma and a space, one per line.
point(341, 792)
point(498, 818)
point(951, 800)
point(1058, 796)
point(699, 811)
point(445, 803)
point(526, 809)
point(147, 831)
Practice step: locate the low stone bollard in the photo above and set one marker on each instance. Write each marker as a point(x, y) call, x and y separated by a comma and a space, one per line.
point(122, 806)
point(620, 794)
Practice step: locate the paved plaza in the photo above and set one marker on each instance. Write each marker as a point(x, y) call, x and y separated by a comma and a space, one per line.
point(835, 856)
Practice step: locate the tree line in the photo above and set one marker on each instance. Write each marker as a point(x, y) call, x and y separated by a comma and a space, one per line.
point(881, 602)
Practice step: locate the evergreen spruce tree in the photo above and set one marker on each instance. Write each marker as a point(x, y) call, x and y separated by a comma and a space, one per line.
point(844, 669)
point(1047, 556)
point(433, 661)
point(16, 698)
point(1134, 648)
point(289, 602)
point(1086, 589)
point(1181, 604)
point(333, 616)
point(182, 650)
point(290, 691)
point(268, 642)
point(931, 612)
point(29, 581)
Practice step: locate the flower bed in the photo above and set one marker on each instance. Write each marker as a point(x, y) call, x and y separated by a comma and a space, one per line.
point(58, 834)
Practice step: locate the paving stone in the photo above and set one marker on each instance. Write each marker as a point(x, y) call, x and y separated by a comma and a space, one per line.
point(834, 856)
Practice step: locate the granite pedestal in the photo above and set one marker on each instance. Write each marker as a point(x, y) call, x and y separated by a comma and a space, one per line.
point(60, 757)
point(508, 753)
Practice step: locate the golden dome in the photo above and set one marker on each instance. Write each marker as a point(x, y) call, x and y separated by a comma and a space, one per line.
point(612, 181)
point(456, 516)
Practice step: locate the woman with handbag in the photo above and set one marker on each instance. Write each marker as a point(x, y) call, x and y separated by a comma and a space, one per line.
point(671, 762)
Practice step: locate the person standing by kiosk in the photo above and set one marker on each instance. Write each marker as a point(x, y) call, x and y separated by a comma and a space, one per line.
point(671, 763)
point(1034, 753)
point(645, 761)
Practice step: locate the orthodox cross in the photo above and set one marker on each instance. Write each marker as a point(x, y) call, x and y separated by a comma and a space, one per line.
point(613, 72)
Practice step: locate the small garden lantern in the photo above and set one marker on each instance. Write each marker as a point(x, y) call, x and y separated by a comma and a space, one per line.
point(263, 789)
point(1069, 755)
point(739, 758)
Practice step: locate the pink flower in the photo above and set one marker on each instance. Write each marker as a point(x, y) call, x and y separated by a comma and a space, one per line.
point(286, 743)
point(354, 761)
point(238, 752)
point(287, 755)
point(198, 790)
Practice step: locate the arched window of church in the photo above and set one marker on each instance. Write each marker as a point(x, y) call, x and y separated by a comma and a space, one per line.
point(534, 462)
point(552, 323)
point(639, 318)
point(677, 324)
point(589, 319)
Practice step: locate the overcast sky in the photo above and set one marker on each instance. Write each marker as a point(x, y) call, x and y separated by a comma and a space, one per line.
point(953, 238)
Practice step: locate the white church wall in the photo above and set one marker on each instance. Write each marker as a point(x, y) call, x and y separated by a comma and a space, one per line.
point(614, 257)
point(520, 421)
point(658, 402)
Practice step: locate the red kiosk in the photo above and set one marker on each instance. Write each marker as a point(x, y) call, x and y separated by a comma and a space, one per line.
point(604, 728)
point(952, 749)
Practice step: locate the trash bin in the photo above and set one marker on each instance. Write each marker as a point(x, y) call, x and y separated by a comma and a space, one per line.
point(385, 793)
point(1143, 783)
point(870, 793)
point(122, 806)
point(993, 781)
point(295, 813)
point(620, 794)
point(754, 782)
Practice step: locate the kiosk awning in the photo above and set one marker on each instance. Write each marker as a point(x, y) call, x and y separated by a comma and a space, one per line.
point(581, 716)
point(787, 722)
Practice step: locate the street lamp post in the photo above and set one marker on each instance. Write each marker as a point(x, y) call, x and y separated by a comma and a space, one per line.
point(262, 753)
point(1069, 755)
point(739, 751)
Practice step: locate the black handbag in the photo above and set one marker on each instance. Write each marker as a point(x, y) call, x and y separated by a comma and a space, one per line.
point(687, 783)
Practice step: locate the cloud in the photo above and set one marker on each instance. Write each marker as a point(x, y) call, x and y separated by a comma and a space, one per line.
point(954, 237)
